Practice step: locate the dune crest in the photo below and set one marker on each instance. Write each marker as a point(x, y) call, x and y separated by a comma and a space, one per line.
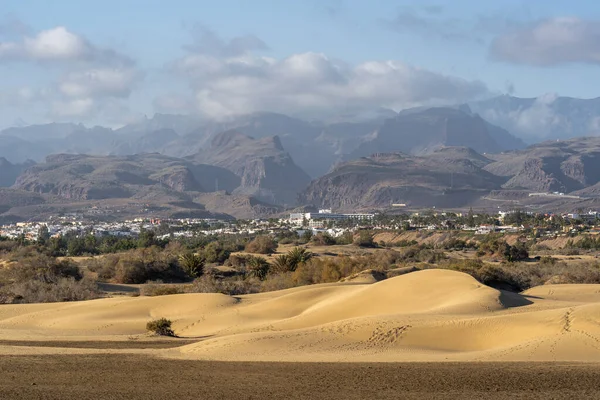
point(430, 315)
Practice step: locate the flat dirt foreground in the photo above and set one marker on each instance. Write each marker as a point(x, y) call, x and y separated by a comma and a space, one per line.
point(143, 377)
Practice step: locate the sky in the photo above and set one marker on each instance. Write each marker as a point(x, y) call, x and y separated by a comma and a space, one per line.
point(113, 62)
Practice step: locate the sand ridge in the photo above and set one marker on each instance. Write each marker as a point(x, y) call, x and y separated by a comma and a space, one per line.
point(430, 315)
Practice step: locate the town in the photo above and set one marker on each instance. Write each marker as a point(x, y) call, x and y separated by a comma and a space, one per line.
point(323, 221)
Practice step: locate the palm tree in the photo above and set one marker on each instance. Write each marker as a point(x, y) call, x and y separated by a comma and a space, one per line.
point(297, 256)
point(258, 267)
point(281, 263)
point(192, 264)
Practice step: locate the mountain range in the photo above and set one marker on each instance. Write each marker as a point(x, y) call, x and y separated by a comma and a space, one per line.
point(314, 146)
point(263, 163)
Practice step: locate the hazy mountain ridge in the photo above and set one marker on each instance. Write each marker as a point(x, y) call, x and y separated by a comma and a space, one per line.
point(314, 146)
point(545, 117)
point(9, 172)
point(425, 130)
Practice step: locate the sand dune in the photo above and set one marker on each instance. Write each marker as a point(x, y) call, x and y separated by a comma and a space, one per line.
point(431, 315)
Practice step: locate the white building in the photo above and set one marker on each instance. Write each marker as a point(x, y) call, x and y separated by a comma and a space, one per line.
point(318, 219)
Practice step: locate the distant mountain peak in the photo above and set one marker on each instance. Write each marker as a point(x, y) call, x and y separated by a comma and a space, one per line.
point(4, 163)
point(228, 138)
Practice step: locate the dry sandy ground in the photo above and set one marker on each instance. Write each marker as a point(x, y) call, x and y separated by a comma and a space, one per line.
point(430, 315)
point(425, 335)
point(140, 377)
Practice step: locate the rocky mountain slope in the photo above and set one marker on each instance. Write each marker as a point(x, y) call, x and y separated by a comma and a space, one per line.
point(83, 177)
point(459, 177)
point(562, 166)
point(449, 177)
point(145, 184)
point(266, 171)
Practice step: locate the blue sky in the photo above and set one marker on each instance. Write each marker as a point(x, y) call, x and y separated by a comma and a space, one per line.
point(110, 62)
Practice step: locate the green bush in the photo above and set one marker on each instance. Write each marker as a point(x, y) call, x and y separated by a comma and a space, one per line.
point(161, 327)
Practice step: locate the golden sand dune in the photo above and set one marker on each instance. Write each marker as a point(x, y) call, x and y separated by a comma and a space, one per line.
point(426, 315)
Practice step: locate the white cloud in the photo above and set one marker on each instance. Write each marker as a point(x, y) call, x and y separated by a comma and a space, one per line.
point(313, 84)
point(550, 42)
point(86, 82)
point(59, 44)
point(537, 119)
point(228, 82)
point(114, 82)
point(55, 44)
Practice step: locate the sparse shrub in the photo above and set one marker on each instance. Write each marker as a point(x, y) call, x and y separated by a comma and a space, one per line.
point(35, 291)
point(287, 237)
point(215, 252)
point(139, 266)
point(278, 282)
point(306, 236)
point(237, 260)
point(42, 268)
point(541, 247)
point(33, 277)
point(156, 289)
point(547, 260)
point(365, 239)
point(405, 243)
point(323, 239)
point(455, 243)
point(518, 252)
point(130, 271)
point(262, 245)
point(232, 287)
point(501, 278)
point(345, 239)
point(161, 327)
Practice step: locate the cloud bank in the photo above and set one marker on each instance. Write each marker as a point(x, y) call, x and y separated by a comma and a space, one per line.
point(229, 78)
